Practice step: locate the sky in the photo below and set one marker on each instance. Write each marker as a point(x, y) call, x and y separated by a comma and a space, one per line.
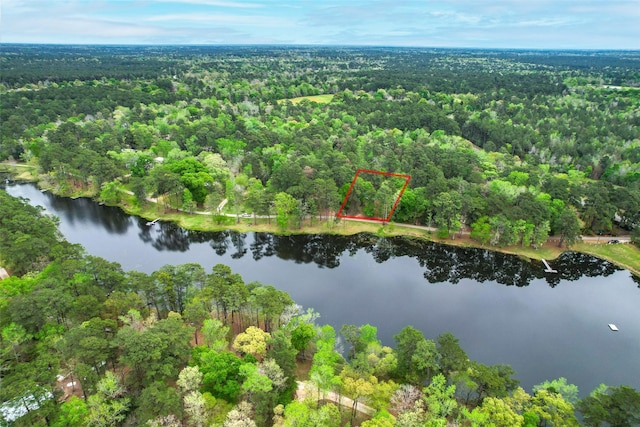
point(523, 24)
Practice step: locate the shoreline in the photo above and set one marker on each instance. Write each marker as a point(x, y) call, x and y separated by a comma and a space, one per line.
point(623, 255)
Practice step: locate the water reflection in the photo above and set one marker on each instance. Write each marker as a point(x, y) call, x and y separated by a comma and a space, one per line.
point(503, 308)
point(442, 263)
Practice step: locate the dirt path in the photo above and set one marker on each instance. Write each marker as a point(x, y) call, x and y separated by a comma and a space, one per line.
point(306, 389)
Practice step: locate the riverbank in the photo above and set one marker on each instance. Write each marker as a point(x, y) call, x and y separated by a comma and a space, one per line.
point(626, 256)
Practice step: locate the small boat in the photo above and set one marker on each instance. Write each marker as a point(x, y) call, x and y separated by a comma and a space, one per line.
point(153, 222)
point(613, 327)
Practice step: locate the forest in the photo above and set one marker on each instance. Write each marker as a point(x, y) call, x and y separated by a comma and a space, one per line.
point(86, 343)
point(511, 146)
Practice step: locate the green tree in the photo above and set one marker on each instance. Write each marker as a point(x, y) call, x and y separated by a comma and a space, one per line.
point(439, 398)
point(252, 341)
point(406, 346)
point(158, 400)
point(453, 359)
point(301, 337)
point(614, 406)
point(286, 210)
point(568, 226)
point(447, 207)
point(568, 391)
point(156, 353)
point(553, 409)
point(220, 372)
point(109, 406)
point(215, 334)
point(73, 413)
point(111, 192)
point(481, 230)
point(281, 350)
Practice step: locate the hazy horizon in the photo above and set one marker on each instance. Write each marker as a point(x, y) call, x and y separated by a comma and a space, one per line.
point(465, 24)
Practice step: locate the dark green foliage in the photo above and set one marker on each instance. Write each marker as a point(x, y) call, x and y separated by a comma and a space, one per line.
point(406, 346)
point(157, 400)
point(27, 235)
point(453, 358)
point(516, 145)
point(614, 406)
point(157, 353)
point(283, 353)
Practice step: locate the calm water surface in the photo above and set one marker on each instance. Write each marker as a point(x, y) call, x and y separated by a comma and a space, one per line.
point(503, 309)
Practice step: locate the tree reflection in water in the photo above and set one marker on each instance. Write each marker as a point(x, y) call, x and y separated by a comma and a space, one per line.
point(442, 263)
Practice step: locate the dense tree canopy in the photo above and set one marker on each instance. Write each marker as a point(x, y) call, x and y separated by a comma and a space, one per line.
point(515, 146)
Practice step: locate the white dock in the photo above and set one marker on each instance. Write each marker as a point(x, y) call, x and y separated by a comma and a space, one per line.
point(548, 268)
point(153, 222)
point(613, 327)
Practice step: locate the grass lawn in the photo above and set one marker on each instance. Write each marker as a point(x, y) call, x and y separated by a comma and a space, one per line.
point(320, 99)
point(624, 255)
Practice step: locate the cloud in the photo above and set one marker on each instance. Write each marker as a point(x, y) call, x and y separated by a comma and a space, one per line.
point(222, 18)
point(217, 3)
point(446, 23)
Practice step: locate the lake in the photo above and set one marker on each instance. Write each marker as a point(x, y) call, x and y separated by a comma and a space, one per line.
point(502, 308)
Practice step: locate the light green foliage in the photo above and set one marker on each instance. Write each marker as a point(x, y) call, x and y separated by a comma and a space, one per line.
point(380, 419)
point(252, 341)
point(13, 336)
point(73, 413)
point(553, 409)
point(357, 387)
point(286, 210)
point(382, 360)
point(109, 406)
point(215, 334)
point(381, 397)
point(301, 336)
point(111, 192)
point(568, 391)
point(439, 398)
point(221, 372)
point(499, 412)
point(297, 414)
point(481, 230)
point(216, 409)
point(254, 381)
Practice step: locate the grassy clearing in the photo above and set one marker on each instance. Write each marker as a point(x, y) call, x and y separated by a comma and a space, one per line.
point(320, 99)
point(20, 171)
point(623, 255)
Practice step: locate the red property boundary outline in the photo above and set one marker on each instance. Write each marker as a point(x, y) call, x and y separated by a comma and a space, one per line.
point(395, 205)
